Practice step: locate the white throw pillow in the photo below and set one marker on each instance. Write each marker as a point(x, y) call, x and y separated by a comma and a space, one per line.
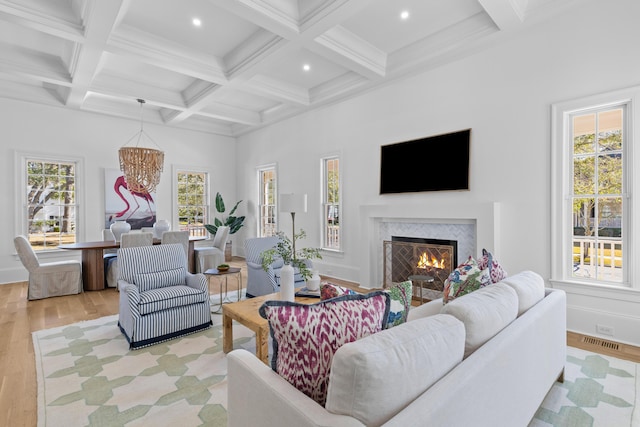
point(530, 289)
point(374, 378)
point(484, 313)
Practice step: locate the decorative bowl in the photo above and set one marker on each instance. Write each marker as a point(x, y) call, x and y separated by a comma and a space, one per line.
point(222, 268)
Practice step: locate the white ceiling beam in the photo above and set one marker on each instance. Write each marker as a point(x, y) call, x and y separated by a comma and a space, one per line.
point(229, 113)
point(132, 43)
point(274, 17)
point(38, 66)
point(31, 18)
point(507, 15)
point(342, 46)
point(278, 89)
point(454, 40)
point(100, 18)
point(130, 90)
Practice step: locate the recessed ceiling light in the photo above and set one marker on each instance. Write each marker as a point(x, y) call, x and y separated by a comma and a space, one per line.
point(404, 15)
point(196, 22)
point(306, 67)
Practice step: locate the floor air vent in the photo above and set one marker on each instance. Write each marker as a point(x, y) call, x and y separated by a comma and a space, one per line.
point(601, 343)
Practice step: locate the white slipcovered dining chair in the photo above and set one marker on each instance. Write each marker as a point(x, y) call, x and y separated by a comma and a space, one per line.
point(181, 237)
point(212, 256)
point(51, 279)
point(127, 240)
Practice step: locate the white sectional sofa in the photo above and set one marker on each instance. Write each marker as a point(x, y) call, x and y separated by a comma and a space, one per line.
point(485, 359)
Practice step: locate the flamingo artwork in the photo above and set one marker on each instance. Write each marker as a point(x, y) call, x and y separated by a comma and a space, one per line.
point(119, 184)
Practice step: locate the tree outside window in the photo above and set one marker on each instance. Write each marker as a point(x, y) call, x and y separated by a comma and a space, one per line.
point(193, 206)
point(597, 197)
point(268, 197)
point(331, 203)
point(50, 203)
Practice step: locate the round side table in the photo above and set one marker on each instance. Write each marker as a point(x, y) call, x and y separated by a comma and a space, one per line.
point(235, 271)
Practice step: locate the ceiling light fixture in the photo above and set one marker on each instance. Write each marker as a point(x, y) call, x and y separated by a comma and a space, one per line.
point(197, 22)
point(306, 67)
point(141, 166)
point(404, 15)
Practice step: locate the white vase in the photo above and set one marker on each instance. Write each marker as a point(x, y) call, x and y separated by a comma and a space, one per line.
point(287, 289)
point(120, 227)
point(160, 227)
point(313, 283)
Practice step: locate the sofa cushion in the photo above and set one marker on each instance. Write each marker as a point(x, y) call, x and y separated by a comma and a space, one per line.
point(530, 289)
point(305, 337)
point(466, 278)
point(160, 279)
point(374, 378)
point(484, 313)
point(488, 261)
point(169, 297)
point(400, 303)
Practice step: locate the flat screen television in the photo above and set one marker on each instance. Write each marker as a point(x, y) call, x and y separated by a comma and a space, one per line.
point(435, 163)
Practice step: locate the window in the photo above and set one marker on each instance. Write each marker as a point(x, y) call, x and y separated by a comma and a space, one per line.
point(268, 196)
point(592, 188)
point(50, 202)
point(193, 201)
point(331, 203)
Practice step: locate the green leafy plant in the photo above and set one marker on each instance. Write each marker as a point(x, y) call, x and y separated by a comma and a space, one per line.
point(284, 250)
point(233, 222)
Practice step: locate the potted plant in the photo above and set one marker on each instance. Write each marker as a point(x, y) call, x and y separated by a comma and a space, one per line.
point(233, 222)
point(297, 259)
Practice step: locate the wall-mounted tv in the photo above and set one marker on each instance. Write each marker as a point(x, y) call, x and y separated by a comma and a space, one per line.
point(435, 163)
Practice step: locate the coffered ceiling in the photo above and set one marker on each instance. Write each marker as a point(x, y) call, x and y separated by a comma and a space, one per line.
point(243, 67)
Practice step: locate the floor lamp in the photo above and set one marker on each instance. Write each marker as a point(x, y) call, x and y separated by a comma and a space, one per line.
point(293, 203)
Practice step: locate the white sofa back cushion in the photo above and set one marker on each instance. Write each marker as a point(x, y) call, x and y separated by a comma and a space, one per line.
point(484, 312)
point(375, 377)
point(530, 289)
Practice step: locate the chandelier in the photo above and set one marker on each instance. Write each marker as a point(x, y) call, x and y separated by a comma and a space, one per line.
point(141, 166)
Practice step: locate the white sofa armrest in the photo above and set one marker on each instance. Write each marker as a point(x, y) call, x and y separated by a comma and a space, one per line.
point(427, 309)
point(257, 396)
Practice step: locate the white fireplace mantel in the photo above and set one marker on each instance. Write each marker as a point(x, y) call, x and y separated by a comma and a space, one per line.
point(485, 216)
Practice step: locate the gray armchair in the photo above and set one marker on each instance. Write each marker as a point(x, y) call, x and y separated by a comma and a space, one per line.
point(50, 279)
point(260, 282)
point(159, 299)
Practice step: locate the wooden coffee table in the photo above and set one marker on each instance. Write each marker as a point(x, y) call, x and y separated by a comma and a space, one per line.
point(246, 313)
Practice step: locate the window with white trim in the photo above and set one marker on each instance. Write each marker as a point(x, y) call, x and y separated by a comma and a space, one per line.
point(331, 203)
point(49, 200)
point(591, 201)
point(267, 217)
point(193, 201)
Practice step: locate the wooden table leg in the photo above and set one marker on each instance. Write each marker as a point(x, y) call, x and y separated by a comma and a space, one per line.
point(262, 344)
point(192, 257)
point(227, 333)
point(92, 269)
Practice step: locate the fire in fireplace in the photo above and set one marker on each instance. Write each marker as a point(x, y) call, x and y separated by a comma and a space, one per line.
point(427, 262)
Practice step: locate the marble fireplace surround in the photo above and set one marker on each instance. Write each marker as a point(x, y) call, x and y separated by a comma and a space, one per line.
point(484, 217)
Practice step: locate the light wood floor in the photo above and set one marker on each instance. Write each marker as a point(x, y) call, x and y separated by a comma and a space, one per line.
point(19, 317)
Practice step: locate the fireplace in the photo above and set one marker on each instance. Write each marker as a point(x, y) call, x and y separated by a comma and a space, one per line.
point(425, 261)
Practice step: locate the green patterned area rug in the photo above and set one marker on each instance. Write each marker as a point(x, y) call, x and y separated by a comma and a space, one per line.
point(88, 376)
point(597, 391)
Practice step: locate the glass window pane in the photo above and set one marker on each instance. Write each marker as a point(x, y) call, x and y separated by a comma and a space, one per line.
point(583, 216)
point(610, 174)
point(584, 175)
point(584, 131)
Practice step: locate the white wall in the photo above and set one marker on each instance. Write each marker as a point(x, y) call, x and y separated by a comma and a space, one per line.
point(95, 138)
point(504, 94)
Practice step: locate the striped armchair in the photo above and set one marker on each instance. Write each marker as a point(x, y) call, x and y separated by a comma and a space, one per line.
point(159, 299)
